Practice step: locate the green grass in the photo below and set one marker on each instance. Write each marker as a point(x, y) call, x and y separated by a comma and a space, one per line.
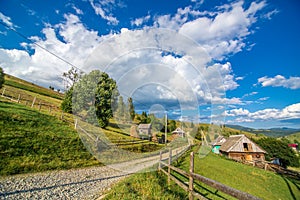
point(31, 141)
point(19, 83)
point(258, 182)
point(150, 185)
point(293, 137)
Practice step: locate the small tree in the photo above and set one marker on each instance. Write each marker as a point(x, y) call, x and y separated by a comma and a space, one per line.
point(131, 108)
point(66, 105)
point(72, 76)
point(121, 108)
point(1, 77)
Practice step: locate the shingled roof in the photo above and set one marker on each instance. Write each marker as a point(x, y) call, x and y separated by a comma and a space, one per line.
point(235, 144)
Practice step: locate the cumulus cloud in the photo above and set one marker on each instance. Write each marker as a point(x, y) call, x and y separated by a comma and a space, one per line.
point(221, 32)
point(280, 81)
point(43, 68)
point(244, 115)
point(178, 59)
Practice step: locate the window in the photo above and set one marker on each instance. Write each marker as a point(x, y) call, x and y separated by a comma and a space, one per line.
point(245, 145)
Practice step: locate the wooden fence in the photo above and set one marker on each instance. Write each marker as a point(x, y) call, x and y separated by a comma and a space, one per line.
point(192, 177)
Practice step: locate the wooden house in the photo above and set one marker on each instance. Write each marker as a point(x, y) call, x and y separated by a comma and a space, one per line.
point(241, 148)
point(144, 131)
point(179, 132)
point(217, 143)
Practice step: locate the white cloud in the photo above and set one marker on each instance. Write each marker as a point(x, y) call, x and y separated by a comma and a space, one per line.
point(222, 33)
point(244, 115)
point(140, 21)
point(6, 20)
point(44, 68)
point(104, 8)
point(77, 10)
point(280, 81)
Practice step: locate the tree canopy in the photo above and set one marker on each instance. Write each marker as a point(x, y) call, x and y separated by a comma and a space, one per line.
point(93, 97)
point(277, 148)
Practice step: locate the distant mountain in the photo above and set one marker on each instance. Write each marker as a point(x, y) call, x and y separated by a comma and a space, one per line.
point(272, 132)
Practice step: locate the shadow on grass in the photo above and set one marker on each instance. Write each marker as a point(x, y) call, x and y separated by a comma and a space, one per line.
point(286, 180)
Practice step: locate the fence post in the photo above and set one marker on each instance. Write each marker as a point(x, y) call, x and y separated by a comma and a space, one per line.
point(76, 121)
point(19, 98)
point(33, 102)
point(62, 115)
point(191, 179)
point(40, 106)
point(169, 164)
point(160, 158)
point(3, 92)
point(50, 109)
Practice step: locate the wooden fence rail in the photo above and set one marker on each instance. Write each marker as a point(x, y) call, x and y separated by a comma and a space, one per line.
point(193, 176)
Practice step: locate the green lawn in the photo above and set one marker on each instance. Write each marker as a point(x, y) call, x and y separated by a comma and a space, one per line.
point(150, 185)
point(258, 182)
point(31, 141)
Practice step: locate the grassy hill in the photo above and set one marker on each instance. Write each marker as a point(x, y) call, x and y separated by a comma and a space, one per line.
point(31, 141)
point(34, 138)
point(27, 86)
point(258, 182)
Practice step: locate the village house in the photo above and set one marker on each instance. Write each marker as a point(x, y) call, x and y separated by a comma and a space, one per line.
point(241, 148)
point(217, 143)
point(178, 132)
point(144, 131)
point(293, 146)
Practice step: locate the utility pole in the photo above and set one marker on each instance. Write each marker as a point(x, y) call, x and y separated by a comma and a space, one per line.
point(166, 126)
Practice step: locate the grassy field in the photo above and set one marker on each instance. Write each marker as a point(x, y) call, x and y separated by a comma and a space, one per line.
point(150, 185)
point(21, 84)
point(260, 183)
point(31, 141)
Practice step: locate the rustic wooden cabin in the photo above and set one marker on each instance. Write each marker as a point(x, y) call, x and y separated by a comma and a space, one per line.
point(217, 143)
point(179, 132)
point(145, 131)
point(241, 148)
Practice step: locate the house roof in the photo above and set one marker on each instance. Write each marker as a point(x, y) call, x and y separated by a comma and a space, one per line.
point(218, 141)
point(144, 126)
point(235, 144)
point(178, 130)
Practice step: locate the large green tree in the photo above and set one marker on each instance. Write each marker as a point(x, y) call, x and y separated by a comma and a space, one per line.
point(1, 77)
point(277, 148)
point(95, 97)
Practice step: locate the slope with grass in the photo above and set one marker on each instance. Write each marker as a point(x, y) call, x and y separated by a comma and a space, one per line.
point(258, 182)
point(31, 141)
point(21, 84)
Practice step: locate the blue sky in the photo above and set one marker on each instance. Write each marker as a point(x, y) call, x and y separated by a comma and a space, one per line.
point(234, 62)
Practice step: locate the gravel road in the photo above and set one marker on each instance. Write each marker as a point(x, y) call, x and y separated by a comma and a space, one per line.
point(85, 183)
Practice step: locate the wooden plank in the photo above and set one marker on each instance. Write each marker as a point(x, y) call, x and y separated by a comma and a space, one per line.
point(223, 188)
